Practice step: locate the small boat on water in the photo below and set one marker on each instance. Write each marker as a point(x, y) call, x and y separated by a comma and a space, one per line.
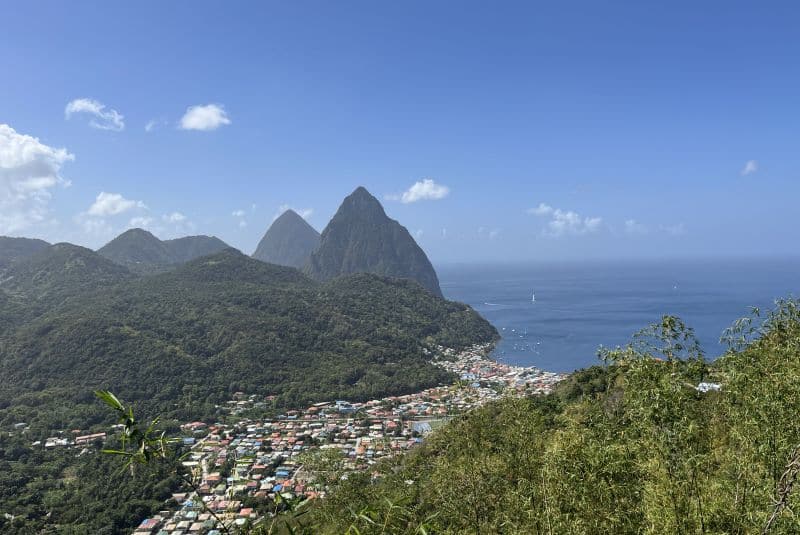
point(533, 297)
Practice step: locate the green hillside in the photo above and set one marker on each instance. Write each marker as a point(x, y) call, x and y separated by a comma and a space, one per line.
point(633, 447)
point(141, 252)
point(179, 342)
point(13, 249)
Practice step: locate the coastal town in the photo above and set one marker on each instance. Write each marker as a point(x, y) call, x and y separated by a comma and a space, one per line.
point(242, 465)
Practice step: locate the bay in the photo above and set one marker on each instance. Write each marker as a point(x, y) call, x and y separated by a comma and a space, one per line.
point(581, 305)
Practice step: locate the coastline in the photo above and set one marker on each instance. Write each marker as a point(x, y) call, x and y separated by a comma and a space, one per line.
point(268, 454)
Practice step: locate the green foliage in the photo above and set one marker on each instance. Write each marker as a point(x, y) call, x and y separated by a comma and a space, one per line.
point(180, 342)
point(81, 492)
point(177, 344)
point(631, 447)
point(58, 273)
point(141, 252)
point(14, 249)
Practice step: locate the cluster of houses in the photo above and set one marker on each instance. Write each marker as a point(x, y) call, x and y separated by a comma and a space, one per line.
point(239, 468)
point(75, 438)
point(473, 367)
point(252, 461)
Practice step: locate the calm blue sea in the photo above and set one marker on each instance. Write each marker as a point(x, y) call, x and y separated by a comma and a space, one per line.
point(580, 306)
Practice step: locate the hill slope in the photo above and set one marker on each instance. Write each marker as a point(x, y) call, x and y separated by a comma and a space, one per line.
point(633, 447)
point(141, 252)
point(182, 250)
point(12, 249)
point(59, 271)
point(289, 241)
point(361, 238)
point(225, 323)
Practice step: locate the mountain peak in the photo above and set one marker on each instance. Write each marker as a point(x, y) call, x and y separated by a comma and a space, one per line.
point(289, 214)
point(362, 238)
point(137, 233)
point(363, 201)
point(289, 241)
point(142, 252)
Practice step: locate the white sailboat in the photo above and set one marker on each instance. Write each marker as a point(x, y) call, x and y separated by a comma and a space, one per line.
point(533, 297)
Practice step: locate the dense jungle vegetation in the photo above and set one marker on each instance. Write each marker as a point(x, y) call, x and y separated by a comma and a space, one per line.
point(181, 342)
point(177, 344)
point(628, 447)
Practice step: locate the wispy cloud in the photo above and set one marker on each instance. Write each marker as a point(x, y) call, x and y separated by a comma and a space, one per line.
point(140, 222)
point(101, 118)
point(29, 170)
point(423, 190)
point(154, 124)
point(205, 118)
point(750, 167)
point(542, 209)
point(565, 222)
point(634, 227)
point(174, 217)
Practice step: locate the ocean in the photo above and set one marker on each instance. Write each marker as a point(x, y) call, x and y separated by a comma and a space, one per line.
point(582, 305)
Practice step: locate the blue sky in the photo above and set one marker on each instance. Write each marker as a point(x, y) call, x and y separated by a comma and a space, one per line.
point(534, 131)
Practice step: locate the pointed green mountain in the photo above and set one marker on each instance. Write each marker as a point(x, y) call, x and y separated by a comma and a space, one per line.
point(362, 238)
point(289, 241)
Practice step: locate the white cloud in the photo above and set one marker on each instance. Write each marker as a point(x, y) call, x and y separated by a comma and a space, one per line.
point(305, 213)
point(750, 167)
point(153, 124)
point(102, 118)
point(240, 215)
point(29, 170)
point(542, 209)
point(419, 233)
point(108, 204)
point(174, 217)
point(170, 225)
point(208, 117)
point(566, 222)
point(423, 190)
point(634, 227)
point(140, 222)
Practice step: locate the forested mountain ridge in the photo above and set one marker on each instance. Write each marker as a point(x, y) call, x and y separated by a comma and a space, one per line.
point(12, 249)
point(228, 323)
point(362, 238)
point(289, 241)
point(59, 271)
point(141, 252)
